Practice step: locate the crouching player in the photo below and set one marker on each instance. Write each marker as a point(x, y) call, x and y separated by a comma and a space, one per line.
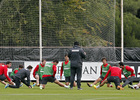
point(128, 73)
point(38, 72)
point(66, 68)
point(104, 69)
point(12, 75)
point(49, 75)
point(115, 76)
point(20, 77)
point(3, 73)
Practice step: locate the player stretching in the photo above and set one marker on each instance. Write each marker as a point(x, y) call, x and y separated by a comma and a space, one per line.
point(12, 75)
point(20, 77)
point(66, 68)
point(104, 69)
point(49, 75)
point(38, 72)
point(115, 76)
point(3, 73)
point(128, 73)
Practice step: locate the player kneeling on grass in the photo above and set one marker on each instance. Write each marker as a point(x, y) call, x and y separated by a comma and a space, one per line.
point(38, 72)
point(66, 68)
point(104, 69)
point(128, 73)
point(12, 75)
point(3, 73)
point(115, 76)
point(20, 77)
point(49, 75)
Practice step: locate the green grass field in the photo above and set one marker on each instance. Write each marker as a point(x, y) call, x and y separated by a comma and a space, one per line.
point(54, 92)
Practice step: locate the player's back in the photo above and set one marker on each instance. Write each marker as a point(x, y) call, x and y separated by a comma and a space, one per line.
point(2, 67)
point(23, 73)
point(115, 71)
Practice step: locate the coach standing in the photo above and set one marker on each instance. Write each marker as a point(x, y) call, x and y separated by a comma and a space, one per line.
point(76, 54)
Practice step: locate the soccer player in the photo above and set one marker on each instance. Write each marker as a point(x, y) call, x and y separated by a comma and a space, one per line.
point(66, 68)
point(76, 54)
point(115, 76)
point(104, 69)
point(128, 73)
point(12, 75)
point(38, 72)
point(20, 77)
point(49, 75)
point(3, 73)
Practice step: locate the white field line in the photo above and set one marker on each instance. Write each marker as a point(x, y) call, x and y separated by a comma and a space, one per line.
point(66, 94)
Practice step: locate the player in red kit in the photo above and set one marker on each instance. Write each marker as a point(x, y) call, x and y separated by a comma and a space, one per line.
point(115, 76)
point(128, 72)
point(3, 72)
point(38, 72)
point(66, 68)
point(49, 75)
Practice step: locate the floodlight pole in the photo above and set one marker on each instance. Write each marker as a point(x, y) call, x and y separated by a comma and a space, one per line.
point(40, 30)
point(122, 33)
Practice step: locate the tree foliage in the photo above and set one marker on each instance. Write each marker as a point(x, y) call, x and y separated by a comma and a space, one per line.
point(131, 23)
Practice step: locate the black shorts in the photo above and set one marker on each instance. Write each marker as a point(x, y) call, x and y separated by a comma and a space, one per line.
point(114, 79)
point(13, 77)
point(67, 79)
point(2, 77)
point(48, 79)
point(101, 77)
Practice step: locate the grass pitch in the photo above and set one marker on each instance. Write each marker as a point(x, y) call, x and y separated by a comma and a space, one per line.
point(54, 92)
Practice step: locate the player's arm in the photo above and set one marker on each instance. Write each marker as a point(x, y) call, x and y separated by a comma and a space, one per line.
point(5, 73)
point(109, 66)
point(28, 79)
point(120, 74)
point(131, 70)
point(69, 53)
point(83, 54)
point(35, 70)
point(54, 70)
point(15, 71)
point(61, 71)
point(107, 74)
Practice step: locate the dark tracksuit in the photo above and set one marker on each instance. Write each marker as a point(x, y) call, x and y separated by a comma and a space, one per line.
point(76, 54)
point(20, 77)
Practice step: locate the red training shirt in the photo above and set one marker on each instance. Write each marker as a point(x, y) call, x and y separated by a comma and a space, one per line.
point(115, 71)
point(3, 70)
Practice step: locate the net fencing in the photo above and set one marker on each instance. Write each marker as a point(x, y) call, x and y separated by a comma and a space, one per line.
point(90, 22)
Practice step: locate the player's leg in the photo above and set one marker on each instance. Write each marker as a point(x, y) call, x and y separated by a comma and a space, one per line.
point(67, 80)
point(53, 79)
point(108, 80)
point(72, 77)
point(79, 75)
point(100, 85)
point(129, 80)
point(17, 83)
point(37, 79)
point(44, 82)
point(117, 83)
point(96, 81)
point(74, 84)
point(3, 82)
